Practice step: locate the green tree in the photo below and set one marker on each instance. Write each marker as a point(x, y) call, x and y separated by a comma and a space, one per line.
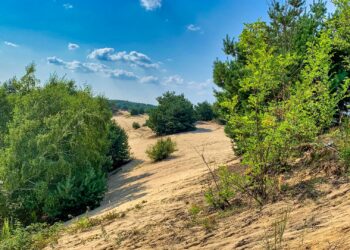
point(57, 142)
point(119, 150)
point(269, 117)
point(204, 111)
point(173, 114)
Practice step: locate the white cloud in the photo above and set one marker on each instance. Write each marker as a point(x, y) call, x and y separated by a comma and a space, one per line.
point(133, 58)
point(68, 6)
point(201, 85)
point(122, 74)
point(77, 66)
point(149, 79)
point(80, 67)
point(151, 4)
point(11, 44)
point(173, 80)
point(103, 54)
point(73, 46)
point(194, 28)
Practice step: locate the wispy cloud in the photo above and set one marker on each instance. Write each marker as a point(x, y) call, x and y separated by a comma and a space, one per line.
point(77, 66)
point(173, 80)
point(149, 79)
point(193, 27)
point(73, 46)
point(68, 6)
point(151, 4)
point(87, 67)
point(133, 58)
point(11, 44)
point(201, 85)
point(122, 74)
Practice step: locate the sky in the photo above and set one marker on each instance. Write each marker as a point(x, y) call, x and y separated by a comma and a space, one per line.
point(124, 49)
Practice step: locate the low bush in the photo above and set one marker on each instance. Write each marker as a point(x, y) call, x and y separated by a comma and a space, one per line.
point(33, 237)
point(161, 150)
point(340, 138)
point(136, 125)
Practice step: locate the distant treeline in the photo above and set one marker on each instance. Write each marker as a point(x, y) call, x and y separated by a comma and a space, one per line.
point(133, 107)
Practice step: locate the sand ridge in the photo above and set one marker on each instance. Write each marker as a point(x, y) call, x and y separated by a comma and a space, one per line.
point(156, 198)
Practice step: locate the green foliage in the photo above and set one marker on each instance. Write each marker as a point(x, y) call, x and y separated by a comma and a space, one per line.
point(204, 111)
point(5, 230)
point(342, 142)
point(56, 141)
point(161, 150)
point(224, 191)
point(174, 114)
point(136, 125)
point(134, 112)
point(33, 237)
point(83, 223)
point(119, 150)
point(277, 94)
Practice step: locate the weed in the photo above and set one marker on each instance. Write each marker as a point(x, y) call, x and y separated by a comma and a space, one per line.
point(104, 233)
point(275, 240)
point(84, 223)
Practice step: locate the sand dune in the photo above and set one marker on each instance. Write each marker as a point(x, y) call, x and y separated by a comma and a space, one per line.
point(155, 199)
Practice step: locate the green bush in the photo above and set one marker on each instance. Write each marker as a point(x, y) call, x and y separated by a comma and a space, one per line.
point(204, 111)
point(342, 142)
point(174, 114)
point(134, 112)
point(161, 150)
point(57, 141)
point(119, 150)
point(33, 237)
point(136, 125)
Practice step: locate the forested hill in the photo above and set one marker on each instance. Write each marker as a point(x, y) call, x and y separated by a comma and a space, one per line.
point(127, 105)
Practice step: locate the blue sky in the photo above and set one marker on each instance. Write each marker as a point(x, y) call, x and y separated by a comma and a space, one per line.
point(125, 49)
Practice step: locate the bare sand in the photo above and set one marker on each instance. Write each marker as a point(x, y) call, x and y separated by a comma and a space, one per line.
point(156, 197)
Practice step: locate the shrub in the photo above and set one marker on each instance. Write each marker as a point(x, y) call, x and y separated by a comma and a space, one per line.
point(134, 112)
point(342, 141)
point(57, 142)
point(136, 125)
point(173, 114)
point(161, 150)
point(119, 150)
point(204, 111)
point(36, 236)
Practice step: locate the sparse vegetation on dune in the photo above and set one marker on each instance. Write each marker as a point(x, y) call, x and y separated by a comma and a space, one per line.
point(283, 97)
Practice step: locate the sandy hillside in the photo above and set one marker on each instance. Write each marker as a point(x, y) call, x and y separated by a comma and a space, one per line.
point(154, 200)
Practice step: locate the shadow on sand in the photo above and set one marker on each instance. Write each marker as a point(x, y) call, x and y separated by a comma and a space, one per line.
point(122, 188)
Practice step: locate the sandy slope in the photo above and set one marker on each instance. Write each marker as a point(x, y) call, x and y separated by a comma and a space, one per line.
point(156, 198)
